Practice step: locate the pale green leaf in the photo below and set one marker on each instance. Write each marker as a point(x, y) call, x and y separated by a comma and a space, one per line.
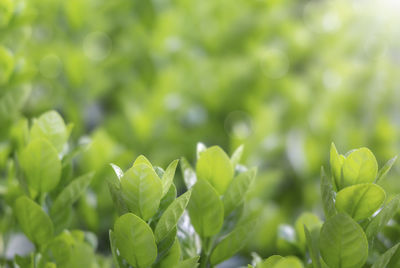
point(327, 195)
point(312, 240)
point(170, 217)
point(289, 262)
point(237, 190)
point(385, 169)
point(336, 162)
point(189, 175)
point(171, 259)
point(135, 241)
point(168, 177)
point(360, 166)
point(384, 259)
point(237, 155)
point(41, 165)
point(50, 126)
point(308, 220)
point(343, 243)
point(215, 167)
point(269, 262)
point(141, 159)
point(188, 263)
point(206, 210)
point(141, 190)
point(360, 201)
point(34, 222)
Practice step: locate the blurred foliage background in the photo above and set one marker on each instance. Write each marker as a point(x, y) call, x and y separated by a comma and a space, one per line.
point(154, 77)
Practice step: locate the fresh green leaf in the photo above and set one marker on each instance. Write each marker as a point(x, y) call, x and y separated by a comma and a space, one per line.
point(168, 177)
point(171, 259)
point(206, 210)
point(237, 155)
point(232, 243)
point(135, 241)
point(384, 259)
point(237, 190)
point(141, 190)
point(117, 260)
point(327, 195)
point(385, 169)
point(336, 162)
point(289, 262)
point(170, 218)
point(34, 222)
point(41, 165)
point(141, 159)
point(312, 240)
point(360, 201)
point(189, 175)
point(188, 263)
point(50, 126)
point(308, 220)
point(270, 261)
point(70, 194)
point(343, 243)
point(360, 166)
point(215, 167)
point(383, 217)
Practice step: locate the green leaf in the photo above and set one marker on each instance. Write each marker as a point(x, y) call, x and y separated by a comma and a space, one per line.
point(343, 243)
point(384, 259)
point(385, 169)
point(34, 222)
point(308, 220)
point(336, 162)
point(117, 260)
point(141, 159)
point(360, 166)
point(328, 195)
point(41, 165)
point(164, 245)
point(206, 210)
point(171, 259)
point(215, 167)
point(188, 238)
point(50, 126)
point(168, 177)
point(135, 241)
point(170, 218)
point(232, 243)
point(189, 175)
point(289, 262)
point(269, 262)
point(312, 240)
point(200, 148)
point(141, 190)
point(6, 60)
point(189, 263)
point(360, 201)
point(12, 102)
point(383, 217)
point(237, 155)
point(237, 190)
point(70, 195)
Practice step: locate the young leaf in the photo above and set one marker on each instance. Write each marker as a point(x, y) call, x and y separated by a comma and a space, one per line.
point(237, 190)
point(117, 260)
point(141, 159)
point(343, 243)
point(384, 259)
point(141, 190)
point(164, 245)
point(206, 210)
point(34, 222)
point(328, 195)
point(237, 155)
point(168, 177)
point(289, 262)
point(215, 167)
point(70, 194)
point(200, 147)
point(336, 162)
point(359, 167)
point(383, 217)
point(50, 126)
point(188, 263)
point(270, 261)
point(309, 220)
point(232, 243)
point(135, 241)
point(385, 169)
point(189, 175)
point(189, 240)
point(312, 240)
point(171, 259)
point(360, 201)
point(170, 218)
point(118, 171)
point(41, 165)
